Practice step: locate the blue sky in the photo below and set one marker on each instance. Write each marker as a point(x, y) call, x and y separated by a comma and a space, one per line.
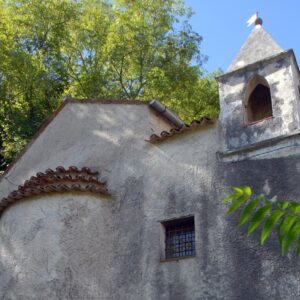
point(222, 24)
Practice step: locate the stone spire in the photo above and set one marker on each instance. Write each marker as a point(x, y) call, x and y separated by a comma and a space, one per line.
point(258, 46)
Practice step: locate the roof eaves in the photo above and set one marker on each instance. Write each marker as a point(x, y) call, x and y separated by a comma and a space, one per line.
point(166, 113)
point(56, 112)
point(250, 66)
point(195, 124)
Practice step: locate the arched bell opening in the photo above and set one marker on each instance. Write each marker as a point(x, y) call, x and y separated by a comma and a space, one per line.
point(258, 100)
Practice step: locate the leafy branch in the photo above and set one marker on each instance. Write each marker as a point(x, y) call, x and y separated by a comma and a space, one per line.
point(284, 216)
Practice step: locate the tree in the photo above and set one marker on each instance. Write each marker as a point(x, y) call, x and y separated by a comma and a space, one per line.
point(33, 74)
point(96, 49)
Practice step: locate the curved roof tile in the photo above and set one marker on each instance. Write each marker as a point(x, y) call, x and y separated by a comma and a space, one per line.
point(154, 138)
point(57, 181)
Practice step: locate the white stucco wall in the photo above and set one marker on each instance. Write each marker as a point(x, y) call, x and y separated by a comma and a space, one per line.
point(82, 246)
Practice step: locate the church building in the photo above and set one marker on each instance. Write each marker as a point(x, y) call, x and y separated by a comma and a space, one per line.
point(121, 200)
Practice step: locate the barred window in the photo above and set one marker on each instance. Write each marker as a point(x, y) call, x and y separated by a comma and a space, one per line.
point(180, 238)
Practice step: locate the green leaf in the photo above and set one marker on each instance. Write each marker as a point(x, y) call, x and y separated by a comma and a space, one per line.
point(286, 224)
point(283, 204)
point(230, 197)
point(298, 247)
point(237, 193)
point(270, 223)
point(236, 204)
point(294, 207)
point(259, 217)
point(238, 190)
point(281, 237)
point(291, 236)
point(247, 211)
point(247, 190)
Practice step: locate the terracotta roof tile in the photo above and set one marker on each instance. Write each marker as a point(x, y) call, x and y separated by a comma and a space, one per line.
point(154, 138)
point(57, 181)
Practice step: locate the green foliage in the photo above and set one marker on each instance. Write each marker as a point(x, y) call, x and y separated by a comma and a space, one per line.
point(96, 49)
point(248, 210)
point(33, 74)
point(282, 215)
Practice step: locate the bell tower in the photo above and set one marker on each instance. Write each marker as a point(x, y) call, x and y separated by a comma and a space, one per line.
point(259, 97)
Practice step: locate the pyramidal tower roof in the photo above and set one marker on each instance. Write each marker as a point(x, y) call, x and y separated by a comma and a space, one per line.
point(258, 46)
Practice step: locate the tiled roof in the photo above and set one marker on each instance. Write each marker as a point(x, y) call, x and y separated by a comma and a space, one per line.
point(154, 138)
point(57, 181)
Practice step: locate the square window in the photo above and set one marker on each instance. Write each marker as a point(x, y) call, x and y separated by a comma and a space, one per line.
point(179, 238)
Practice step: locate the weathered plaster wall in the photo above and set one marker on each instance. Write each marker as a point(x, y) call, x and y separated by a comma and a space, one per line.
point(84, 247)
point(280, 73)
point(82, 134)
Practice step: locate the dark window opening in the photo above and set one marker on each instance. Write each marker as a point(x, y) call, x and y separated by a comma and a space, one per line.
point(259, 105)
point(180, 238)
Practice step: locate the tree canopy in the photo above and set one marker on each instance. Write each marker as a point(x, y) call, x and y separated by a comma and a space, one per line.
point(142, 49)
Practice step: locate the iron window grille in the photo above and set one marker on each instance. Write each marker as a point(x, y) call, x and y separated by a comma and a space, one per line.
point(180, 238)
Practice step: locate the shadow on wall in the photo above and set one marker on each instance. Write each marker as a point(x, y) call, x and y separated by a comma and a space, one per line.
point(261, 272)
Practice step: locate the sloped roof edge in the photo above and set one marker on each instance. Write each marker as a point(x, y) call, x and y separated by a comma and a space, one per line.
point(56, 112)
point(107, 101)
point(166, 113)
point(258, 46)
point(250, 66)
point(154, 138)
